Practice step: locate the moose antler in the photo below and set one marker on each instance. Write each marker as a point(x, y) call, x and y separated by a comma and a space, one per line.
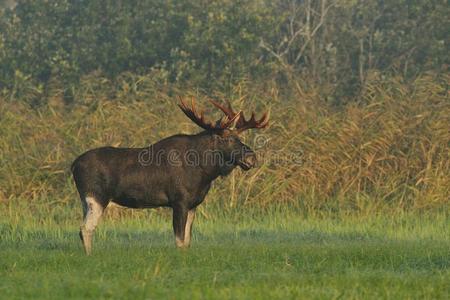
point(228, 111)
point(199, 118)
point(242, 124)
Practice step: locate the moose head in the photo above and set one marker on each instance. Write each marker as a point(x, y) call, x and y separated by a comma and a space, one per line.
point(225, 134)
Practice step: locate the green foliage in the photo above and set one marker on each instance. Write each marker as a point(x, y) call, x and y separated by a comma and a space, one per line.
point(216, 44)
point(68, 39)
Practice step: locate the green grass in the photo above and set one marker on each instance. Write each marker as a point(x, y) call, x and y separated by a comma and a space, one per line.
point(235, 255)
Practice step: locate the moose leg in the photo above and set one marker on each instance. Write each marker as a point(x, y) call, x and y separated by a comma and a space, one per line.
point(180, 218)
point(92, 211)
point(188, 227)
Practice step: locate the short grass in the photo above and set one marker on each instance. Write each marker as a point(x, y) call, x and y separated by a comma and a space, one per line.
point(272, 255)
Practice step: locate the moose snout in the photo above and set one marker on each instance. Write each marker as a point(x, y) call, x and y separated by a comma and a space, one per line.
point(248, 160)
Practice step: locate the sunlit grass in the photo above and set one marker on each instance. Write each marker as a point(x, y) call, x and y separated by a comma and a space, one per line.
point(389, 152)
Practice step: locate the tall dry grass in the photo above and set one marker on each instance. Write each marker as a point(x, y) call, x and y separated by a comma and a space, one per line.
point(389, 151)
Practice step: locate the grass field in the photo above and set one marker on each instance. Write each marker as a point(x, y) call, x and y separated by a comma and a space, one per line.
point(254, 255)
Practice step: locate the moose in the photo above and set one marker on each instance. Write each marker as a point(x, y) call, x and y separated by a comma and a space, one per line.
point(175, 172)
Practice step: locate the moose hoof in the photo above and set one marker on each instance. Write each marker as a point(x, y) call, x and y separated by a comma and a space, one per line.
point(181, 244)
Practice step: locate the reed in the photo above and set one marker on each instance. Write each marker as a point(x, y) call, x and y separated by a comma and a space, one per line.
point(389, 151)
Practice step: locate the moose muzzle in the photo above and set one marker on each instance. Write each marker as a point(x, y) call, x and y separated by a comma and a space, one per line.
point(248, 159)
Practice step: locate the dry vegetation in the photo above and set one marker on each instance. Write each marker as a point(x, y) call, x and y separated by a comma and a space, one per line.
point(390, 151)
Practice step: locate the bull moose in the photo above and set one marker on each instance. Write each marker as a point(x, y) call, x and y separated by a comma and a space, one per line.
point(175, 172)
